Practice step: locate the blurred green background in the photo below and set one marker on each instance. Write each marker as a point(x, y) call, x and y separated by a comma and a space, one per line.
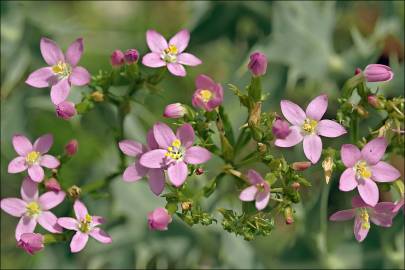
point(313, 47)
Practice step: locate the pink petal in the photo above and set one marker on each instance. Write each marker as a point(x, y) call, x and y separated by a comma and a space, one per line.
point(156, 181)
point(13, 206)
point(177, 173)
point(382, 219)
point(248, 194)
point(292, 112)
point(131, 148)
point(197, 155)
point(185, 133)
point(150, 138)
point(25, 225)
point(154, 159)
point(134, 172)
point(331, 129)
point(343, 215)
point(254, 177)
point(41, 78)
point(312, 147)
point(79, 241)
point(359, 232)
point(358, 202)
point(21, 145)
point(292, 139)
point(74, 52)
point(262, 199)
point(374, 150)
point(36, 173)
point(384, 172)
point(348, 180)
point(163, 134)
point(80, 210)
point(385, 207)
point(368, 191)
point(17, 165)
point(97, 220)
point(43, 143)
point(350, 154)
point(100, 236)
point(49, 222)
point(176, 69)
point(29, 190)
point(180, 40)
point(60, 91)
point(153, 60)
point(49, 161)
point(156, 42)
point(188, 59)
point(317, 107)
point(51, 52)
point(204, 82)
point(68, 223)
point(51, 199)
point(80, 76)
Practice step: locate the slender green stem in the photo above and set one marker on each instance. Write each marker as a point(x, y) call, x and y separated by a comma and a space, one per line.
point(323, 221)
point(354, 126)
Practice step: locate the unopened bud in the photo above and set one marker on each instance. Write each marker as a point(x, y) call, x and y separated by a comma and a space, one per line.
point(97, 96)
point(117, 58)
point(258, 64)
point(131, 56)
point(262, 148)
point(362, 111)
point(52, 185)
point(74, 192)
point(199, 171)
point(65, 110)
point(296, 185)
point(328, 166)
point(281, 129)
point(357, 71)
point(186, 206)
point(301, 165)
point(175, 110)
point(374, 101)
point(288, 215)
point(71, 147)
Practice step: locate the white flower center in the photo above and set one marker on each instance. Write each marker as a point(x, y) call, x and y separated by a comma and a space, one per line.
point(169, 55)
point(62, 69)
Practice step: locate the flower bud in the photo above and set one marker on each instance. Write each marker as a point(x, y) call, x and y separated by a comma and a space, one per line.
point(31, 242)
point(74, 192)
point(185, 206)
point(199, 171)
point(117, 58)
point(374, 101)
point(131, 56)
point(159, 219)
point(281, 129)
point(97, 96)
point(257, 64)
point(378, 73)
point(52, 185)
point(301, 165)
point(175, 110)
point(288, 215)
point(296, 185)
point(357, 71)
point(65, 110)
point(262, 148)
point(71, 147)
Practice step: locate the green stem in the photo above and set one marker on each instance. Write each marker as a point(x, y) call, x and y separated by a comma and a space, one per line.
point(323, 221)
point(354, 126)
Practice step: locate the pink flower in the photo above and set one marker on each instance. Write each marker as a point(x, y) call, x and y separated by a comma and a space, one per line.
point(117, 58)
point(378, 73)
point(62, 71)
point(175, 110)
point(32, 157)
point(131, 56)
point(259, 190)
point(84, 225)
point(380, 214)
point(31, 242)
point(208, 94)
point(65, 110)
point(281, 129)
point(159, 219)
point(308, 126)
point(365, 167)
point(169, 54)
point(258, 64)
point(32, 209)
point(71, 147)
point(136, 171)
point(175, 152)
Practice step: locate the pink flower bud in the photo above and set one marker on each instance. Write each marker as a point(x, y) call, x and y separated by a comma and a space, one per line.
point(65, 110)
point(71, 147)
point(357, 71)
point(288, 215)
point(131, 56)
point(199, 171)
point(281, 129)
point(117, 58)
point(52, 185)
point(31, 242)
point(373, 101)
point(301, 165)
point(175, 110)
point(258, 64)
point(295, 185)
point(159, 219)
point(378, 73)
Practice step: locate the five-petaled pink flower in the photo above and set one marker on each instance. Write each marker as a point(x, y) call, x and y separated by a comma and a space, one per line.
point(364, 167)
point(176, 151)
point(259, 190)
point(32, 209)
point(136, 171)
point(62, 71)
point(32, 157)
point(158, 219)
point(169, 54)
point(381, 215)
point(208, 94)
point(84, 225)
point(308, 126)
point(31, 242)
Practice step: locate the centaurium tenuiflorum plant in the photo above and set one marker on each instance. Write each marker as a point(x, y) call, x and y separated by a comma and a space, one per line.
point(174, 164)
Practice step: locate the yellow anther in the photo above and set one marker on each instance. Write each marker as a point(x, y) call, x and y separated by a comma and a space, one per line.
point(88, 218)
point(176, 143)
point(33, 209)
point(365, 222)
point(362, 170)
point(309, 125)
point(32, 157)
point(171, 50)
point(62, 69)
point(206, 95)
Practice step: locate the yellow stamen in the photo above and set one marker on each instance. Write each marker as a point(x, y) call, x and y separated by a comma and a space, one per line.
point(175, 151)
point(62, 69)
point(33, 209)
point(85, 224)
point(206, 95)
point(171, 50)
point(32, 157)
point(176, 143)
point(309, 125)
point(365, 223)
point(362, 170)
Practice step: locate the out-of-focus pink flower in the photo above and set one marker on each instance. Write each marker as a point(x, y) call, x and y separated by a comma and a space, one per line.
point(364, 167)
point(170, 54)
point(258, 64)
point(65, 110)
point(307, 126)
point(32, 157)
point(131, 56)
point(208, 94)
point(33, 209)
point(378, 73)
point(31, 242)
point(71, 147)
point(117, 58)
point(52, 185)
point(85, 225)
point(281, 129)
point(259, 190)
point(380, 214)
point(159, 219)
point(175, 110)
point(174, 152)
point(62, 71)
